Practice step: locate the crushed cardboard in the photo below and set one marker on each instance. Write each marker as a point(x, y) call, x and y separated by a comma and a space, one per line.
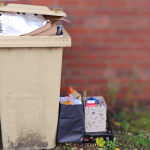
point(76, 95)
point(47, 30)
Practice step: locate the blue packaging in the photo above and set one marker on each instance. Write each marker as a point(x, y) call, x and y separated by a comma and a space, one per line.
point(60, 29)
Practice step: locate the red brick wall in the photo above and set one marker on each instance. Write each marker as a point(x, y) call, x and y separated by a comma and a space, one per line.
point(110, 40)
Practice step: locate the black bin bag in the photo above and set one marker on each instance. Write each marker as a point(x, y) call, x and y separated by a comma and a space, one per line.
point(71, 124)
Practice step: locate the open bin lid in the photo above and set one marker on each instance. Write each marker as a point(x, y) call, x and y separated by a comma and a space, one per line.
point(35, 41)
point(43, 10)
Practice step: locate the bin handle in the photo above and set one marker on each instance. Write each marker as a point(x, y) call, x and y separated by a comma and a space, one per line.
point(57, 10)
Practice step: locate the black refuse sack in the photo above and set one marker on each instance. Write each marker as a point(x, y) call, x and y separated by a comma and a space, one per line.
point(71, 123)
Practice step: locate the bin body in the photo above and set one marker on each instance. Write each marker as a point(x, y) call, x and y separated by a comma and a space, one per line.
point(29, 94)
point(30, 75)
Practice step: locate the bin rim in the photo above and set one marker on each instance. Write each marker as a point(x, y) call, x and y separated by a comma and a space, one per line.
point(36, 41)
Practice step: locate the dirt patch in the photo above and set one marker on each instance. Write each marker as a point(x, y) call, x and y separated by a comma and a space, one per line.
point(28, 140)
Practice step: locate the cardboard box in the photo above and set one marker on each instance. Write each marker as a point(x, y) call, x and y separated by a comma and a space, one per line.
point(47, 30)
point(95, 117)
point(30, 75)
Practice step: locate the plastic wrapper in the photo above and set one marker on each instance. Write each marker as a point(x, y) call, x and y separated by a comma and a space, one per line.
point(15, 24)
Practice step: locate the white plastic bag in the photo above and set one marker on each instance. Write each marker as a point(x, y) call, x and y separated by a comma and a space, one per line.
point(14, 24)
point(72, 100)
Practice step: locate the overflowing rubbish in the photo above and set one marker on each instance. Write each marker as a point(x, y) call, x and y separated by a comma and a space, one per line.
point(71, 118)
point(93, 109)
point(94, 102)
point(29, 24)
point(95, 114)
point(73, 98)
point(69, 100)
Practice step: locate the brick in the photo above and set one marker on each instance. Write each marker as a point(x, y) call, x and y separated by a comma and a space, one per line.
point(105, 12)
point(123, 48)
point(68, 3)
point(141, 81)
point(125, 31)
point(121, 13)
point(111, 57)
point(122, 66)
point(113, 40)
point(78, 31)
point(130, 72)
point(75, 73)
point(133, 57)
point(64, 88)
point(144, 31)
point(79, 48)
point(99, 65)
point(143, 48)
point(144, 13)
point(75, 81)
point(74, 39)
point(87, 88)
point(43, 2)
point(81, 13)
point(103, 89)
point(140, 3)
point(104, 31)
point(147, 89)
point(137, 40)
point(79, 21)
point(64, 73)
point(76, 65)
point(124, 80)
point(62, 81)
point(87, 73)
point(103, 48)
point(115, 3)
point(69, 56)
point(120, 96)
point(98, 73)
point(116, 22)
point(124, 89)
point(143, 65)
point(89, 56)
point(120, 73)
point(90, 3)
point(97, 81)
point(143, 97)
point(127, 22)
point(65, 48)
point(91, 40)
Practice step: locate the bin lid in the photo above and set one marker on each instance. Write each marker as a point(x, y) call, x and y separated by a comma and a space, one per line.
point(43, 10)
point(35, 41)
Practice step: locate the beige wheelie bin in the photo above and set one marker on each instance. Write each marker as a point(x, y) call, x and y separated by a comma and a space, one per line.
point(30, 75)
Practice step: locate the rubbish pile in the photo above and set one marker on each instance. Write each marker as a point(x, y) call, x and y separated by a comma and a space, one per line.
point(79, 116)
point(28, 24)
